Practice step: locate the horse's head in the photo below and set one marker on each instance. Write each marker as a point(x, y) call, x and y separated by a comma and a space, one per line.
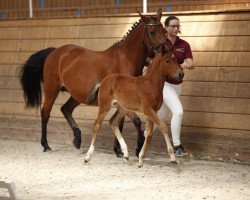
point(169, 66)
point(154, 33)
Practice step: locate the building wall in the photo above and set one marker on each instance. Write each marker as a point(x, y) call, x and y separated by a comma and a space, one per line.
point(19, 9)
point(215, 96)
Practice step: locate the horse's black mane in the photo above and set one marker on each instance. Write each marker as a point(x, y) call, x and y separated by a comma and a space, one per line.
point(129, 31)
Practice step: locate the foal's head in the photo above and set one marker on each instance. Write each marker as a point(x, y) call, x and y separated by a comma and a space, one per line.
point(154, 33)
point(169, 65)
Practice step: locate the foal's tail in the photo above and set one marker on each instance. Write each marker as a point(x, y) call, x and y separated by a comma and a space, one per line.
point(31, 77)
point(93, 94)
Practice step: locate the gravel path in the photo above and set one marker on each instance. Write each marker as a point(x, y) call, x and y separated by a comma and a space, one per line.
point(62, 174)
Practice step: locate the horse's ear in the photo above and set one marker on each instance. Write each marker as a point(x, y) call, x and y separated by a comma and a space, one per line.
point(143, 17)
point(159, 14)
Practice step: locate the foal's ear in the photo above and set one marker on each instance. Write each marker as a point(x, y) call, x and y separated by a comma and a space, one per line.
point(159, 14)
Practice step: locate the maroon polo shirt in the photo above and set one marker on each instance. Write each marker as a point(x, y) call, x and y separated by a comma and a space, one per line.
point(181, 50)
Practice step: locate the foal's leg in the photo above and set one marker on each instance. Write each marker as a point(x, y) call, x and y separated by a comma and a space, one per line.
point(149, 129)
point(96, 128)
point(114, 122)
point(163, 127)
point(140, 134)
point(50, 92)
point(67, 110)
point(117, 146)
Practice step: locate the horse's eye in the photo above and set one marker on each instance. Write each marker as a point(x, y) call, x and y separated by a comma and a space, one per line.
point(167, 61)
point(152, 33)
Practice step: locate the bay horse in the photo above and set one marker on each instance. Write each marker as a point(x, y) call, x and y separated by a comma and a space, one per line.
point(143, 94)
point(76, 70)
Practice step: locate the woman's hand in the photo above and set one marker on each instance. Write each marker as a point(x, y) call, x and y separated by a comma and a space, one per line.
point(184, 65)
point(187, 64)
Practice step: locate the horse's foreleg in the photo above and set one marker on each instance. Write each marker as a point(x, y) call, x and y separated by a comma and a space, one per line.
point(117, 146)
point(114, 122)
point(67, 110)
point(163, 128)
point(140, 134)
point(149, 129)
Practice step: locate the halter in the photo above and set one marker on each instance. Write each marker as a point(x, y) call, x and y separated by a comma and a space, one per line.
point(150, 43)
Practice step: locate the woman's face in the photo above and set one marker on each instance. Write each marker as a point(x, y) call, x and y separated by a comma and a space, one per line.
point(173, 28)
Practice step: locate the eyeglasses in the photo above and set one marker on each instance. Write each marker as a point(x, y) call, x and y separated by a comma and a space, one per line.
point(174, 26)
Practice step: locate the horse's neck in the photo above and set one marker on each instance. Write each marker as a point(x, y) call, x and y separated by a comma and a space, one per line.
point(132, 52)
point(155, 75)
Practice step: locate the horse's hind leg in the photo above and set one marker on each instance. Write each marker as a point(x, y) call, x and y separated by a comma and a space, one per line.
point(51, 92)
point(67, 110)
point(114, 123)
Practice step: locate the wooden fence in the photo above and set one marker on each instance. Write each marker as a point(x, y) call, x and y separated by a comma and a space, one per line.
point(215, 96)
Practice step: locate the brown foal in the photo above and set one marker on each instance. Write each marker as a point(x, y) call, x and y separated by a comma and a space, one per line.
point(143, 94)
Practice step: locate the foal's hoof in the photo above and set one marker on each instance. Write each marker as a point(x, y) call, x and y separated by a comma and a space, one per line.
point(126, 158)
point(173, 160)
point(140, 164)
point(77, 143)
point(118, 152)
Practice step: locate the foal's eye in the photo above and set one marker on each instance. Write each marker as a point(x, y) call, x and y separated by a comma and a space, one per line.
point(167, 61)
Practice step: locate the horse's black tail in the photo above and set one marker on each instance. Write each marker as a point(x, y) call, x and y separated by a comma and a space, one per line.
point(93, 94)
point(31, 76)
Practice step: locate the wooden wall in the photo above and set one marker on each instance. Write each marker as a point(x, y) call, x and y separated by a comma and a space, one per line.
point(215, 96)
point(19, 9)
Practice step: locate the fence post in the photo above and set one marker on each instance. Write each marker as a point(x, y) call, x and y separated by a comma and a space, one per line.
point(145, 6)
point(30, 8)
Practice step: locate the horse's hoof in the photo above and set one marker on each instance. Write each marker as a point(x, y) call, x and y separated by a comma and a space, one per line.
point(118, 152)
point(77, 143)
point(47, 149)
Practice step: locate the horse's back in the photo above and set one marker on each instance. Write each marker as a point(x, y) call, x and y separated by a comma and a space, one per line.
point(78, 69)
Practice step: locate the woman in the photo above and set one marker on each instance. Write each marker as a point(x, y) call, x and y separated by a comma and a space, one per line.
point(172, 88)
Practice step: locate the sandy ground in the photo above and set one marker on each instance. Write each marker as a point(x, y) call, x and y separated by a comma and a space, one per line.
point(62, 174)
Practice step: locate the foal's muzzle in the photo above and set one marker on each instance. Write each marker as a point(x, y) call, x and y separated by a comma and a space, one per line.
point(179, 75)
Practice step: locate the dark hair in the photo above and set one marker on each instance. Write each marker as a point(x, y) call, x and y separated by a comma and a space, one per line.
point(168, 19)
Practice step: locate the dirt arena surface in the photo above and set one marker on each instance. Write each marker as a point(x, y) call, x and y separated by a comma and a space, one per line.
point(62, 174)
